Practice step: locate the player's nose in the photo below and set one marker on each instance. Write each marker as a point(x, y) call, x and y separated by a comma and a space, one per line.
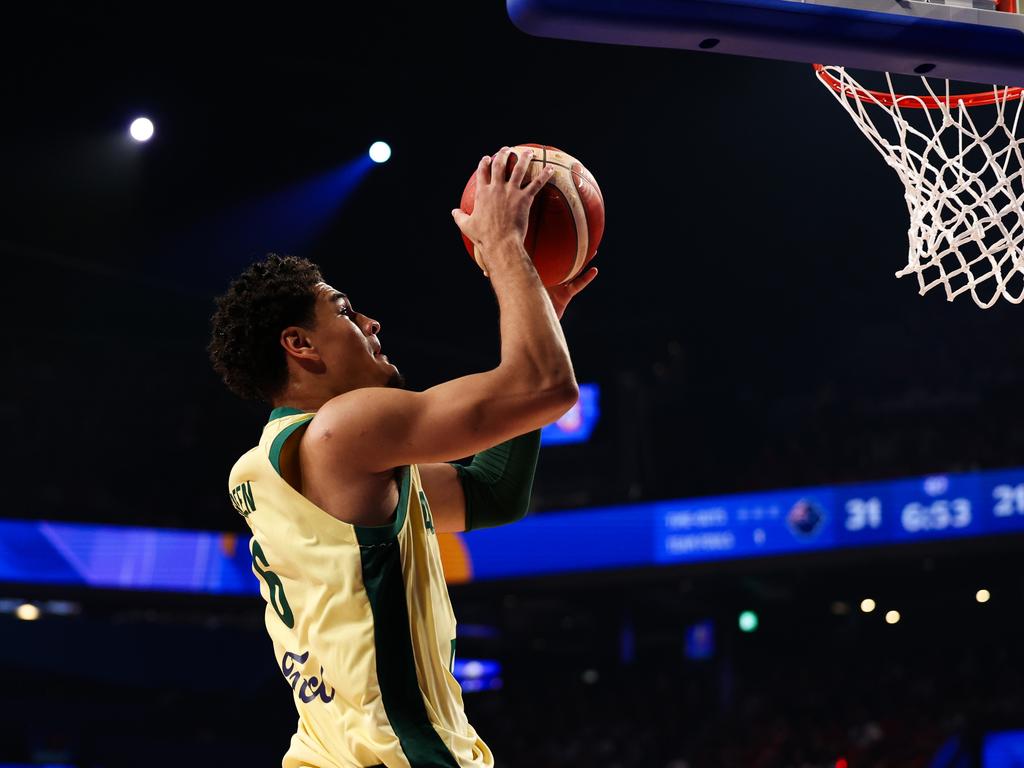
point(371, 327)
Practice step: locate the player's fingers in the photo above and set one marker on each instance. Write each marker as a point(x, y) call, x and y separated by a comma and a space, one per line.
point(499, 164)
point(521, 167)
point(583, 280)
point(460, 216)
point(483, 171)
point(539, 180)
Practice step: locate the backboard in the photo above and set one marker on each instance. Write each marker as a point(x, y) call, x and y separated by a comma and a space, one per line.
point(969, 40)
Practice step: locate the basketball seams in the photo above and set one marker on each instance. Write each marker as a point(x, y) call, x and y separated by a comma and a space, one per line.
point(575, 219)
point(581, 222)
point(550, 162)
point(577, 212)
point(566, 161)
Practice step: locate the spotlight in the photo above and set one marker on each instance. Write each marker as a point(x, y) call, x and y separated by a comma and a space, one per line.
point(892, 617)
point(983, 596)
point(141, 129)
point(380, 152)
point(27, 612)
point(867, 605)
point(748, 621)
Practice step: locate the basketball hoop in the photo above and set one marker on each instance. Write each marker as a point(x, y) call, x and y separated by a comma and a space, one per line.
point(963, 182)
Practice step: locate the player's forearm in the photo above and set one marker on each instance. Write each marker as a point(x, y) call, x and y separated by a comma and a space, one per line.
point(532, 343)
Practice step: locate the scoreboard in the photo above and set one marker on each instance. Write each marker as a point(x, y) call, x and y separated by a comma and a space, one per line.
point(772, 523)
point(931, 507)
point(801, 520)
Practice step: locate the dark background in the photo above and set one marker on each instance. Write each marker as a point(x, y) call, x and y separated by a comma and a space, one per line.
point(746, 330)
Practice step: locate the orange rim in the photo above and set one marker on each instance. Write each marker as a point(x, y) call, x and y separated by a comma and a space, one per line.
point(918, 102)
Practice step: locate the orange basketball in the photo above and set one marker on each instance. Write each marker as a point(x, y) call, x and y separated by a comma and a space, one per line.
point(566, 220)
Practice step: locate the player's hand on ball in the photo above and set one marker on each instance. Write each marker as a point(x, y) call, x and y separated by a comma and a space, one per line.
point(502, 208)
point(562, 294)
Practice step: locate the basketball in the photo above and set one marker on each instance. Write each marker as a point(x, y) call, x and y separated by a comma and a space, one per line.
point(566, 219)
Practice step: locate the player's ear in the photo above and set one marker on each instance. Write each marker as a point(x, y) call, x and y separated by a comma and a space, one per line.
point(296, 343)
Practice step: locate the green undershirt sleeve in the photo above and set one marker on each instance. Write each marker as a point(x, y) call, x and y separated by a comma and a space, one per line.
point(498, 482)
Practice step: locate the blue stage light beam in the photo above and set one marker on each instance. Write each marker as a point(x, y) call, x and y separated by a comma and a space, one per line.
point(287, 221)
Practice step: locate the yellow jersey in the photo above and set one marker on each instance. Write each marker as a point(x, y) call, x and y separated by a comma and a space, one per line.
point(362, 626)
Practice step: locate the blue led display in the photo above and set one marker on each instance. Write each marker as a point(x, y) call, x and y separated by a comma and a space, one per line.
point(477, 674)
point(121, 557)
point(578, 422)
point(660, 533)
point(700, 641)
point(1003, 750)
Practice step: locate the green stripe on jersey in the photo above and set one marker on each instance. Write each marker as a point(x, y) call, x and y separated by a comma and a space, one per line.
point(280, 413)
point(281, 439)
point(396, 665)
point(377, 534)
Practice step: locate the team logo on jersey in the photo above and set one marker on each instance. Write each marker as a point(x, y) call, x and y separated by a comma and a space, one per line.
point(241, 499)
point(308, 688)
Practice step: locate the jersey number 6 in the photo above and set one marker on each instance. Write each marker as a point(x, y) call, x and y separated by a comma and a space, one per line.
point(278, 600)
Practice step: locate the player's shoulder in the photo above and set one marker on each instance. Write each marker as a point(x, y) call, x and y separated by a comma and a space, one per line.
point(346, 421)
point(336, 448)
point(358, 407)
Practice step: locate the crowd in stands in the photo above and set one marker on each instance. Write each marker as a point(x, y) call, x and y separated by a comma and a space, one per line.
point(211, 696)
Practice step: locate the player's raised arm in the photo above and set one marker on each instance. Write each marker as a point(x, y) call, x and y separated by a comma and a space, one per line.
point(495, 488)
point(375, 428)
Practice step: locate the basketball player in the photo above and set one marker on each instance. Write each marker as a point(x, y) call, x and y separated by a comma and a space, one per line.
point(349, 486)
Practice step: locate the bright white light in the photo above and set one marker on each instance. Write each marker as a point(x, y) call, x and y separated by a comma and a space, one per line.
point(892, 617)
point(983, 596)
point(473, 669)
point(867, 605)
point(27, 612)
point(142, 129)
point(380, 152)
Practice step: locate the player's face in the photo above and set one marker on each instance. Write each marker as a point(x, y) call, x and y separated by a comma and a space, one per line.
point(348, 343)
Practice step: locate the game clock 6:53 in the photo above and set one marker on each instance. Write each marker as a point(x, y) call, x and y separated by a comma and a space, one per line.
point(937, 515)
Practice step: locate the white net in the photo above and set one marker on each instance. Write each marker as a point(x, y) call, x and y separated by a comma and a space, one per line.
point(963, 182)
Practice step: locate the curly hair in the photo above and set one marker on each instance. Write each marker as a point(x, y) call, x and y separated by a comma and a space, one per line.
point(266, 298)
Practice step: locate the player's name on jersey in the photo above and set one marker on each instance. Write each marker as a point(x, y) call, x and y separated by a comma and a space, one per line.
point(241, 499)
